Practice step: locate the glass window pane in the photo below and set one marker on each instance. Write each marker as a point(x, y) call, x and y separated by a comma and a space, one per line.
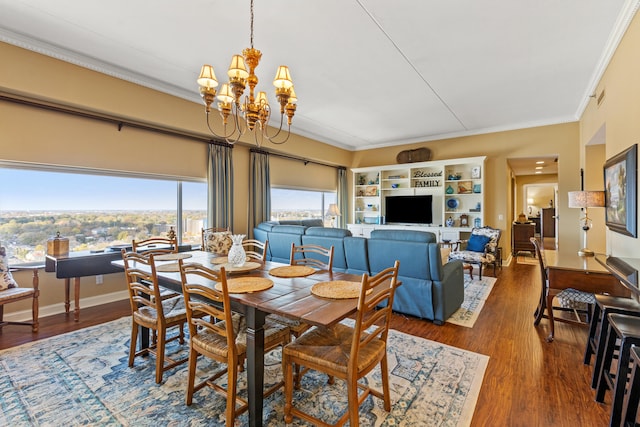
point(92, 211)
point(292, 204)
point(194, 211)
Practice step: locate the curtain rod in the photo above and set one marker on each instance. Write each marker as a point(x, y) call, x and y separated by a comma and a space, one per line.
point(103, 118)
point(295, 158)
point(151, 128)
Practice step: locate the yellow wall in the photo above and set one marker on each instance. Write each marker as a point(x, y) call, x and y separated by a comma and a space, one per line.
point(618, 115)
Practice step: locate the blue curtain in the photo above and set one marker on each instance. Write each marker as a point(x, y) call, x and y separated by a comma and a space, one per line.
point(259, 189)
point(220, 186)
point(342, 198)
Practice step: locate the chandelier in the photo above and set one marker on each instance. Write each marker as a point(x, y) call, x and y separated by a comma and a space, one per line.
point(248, 112)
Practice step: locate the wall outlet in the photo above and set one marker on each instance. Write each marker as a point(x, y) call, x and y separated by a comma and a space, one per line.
point(500, 217)
point(99, 279)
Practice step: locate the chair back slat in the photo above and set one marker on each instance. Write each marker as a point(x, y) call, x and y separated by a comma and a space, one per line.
point(198, 288)
point(155, 245)
point(142, 284)
point(255, 249)
point(373, 322)
point(312, 255)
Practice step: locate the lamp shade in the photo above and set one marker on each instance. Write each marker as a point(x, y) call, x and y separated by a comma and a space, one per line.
point(283, 78)
point(586, 199)
point(207, 77)
point(333, 210)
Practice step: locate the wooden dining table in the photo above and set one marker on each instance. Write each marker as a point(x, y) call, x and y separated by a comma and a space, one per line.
point(290, 297)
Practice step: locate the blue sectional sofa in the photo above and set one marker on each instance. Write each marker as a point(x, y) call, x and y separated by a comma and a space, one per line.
point(430, 290)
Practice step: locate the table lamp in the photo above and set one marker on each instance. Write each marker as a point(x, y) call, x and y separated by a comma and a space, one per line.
point(586, 199)
point(333, 212)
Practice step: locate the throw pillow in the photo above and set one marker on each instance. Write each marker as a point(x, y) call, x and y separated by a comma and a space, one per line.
point(218, 242)
point(477, 243)
point(7, 280)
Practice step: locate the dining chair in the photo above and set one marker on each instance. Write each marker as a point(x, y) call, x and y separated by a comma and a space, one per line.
point(150, 310)
point(348, 353)
point(312, 255)
point(10, 292)
point(223, 341)
point(158, 246)
point(255, 249)
point(547, 295)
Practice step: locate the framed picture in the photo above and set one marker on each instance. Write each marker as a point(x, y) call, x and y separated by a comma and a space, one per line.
point(475, 172)
point(465, 187)
point(620, 178)
point(372, 190)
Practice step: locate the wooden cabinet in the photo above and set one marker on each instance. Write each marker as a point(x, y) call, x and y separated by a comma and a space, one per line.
point(520, 237)
point(548, 222)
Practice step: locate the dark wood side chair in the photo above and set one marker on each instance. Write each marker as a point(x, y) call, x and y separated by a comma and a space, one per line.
point(323, 349)
point(547, 296)
point(632, 397)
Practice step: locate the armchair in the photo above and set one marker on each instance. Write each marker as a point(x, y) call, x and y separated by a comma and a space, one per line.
point(10, 292)
point(481, 248)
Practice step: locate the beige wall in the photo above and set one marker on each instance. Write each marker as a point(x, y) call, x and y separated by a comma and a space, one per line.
point(618, 115)
point(38, 136)
point(43, 137)
point(559, 140)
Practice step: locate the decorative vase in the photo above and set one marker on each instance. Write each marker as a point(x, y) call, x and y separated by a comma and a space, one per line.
point(237, 256)
point(449, 222)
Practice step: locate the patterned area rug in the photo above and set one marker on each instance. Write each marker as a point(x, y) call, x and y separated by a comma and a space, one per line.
point(82, 378)
point(476, 293)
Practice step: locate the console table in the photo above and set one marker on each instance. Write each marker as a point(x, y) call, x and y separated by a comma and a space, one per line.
point(520, 237)
point(80, 264)
point(624, 269)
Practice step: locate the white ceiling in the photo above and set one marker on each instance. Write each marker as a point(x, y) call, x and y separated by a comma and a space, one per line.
point(368, 73)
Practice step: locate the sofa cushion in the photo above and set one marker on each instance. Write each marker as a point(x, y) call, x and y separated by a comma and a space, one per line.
point(404, 235)
point(477, 243)
point(317, 222)
point(356, 255)
point(327, 232)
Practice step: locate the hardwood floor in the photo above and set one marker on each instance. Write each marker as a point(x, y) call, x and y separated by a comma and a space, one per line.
point(528, 381)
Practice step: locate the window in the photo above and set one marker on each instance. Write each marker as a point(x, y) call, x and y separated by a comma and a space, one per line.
point(93, 210)
point(288, 204)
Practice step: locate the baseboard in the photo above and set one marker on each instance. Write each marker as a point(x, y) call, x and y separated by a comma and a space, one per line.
point(49, 310)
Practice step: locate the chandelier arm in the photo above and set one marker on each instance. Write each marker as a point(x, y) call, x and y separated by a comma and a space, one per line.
point(284, 140)
point(266, 133)
point(213, 132)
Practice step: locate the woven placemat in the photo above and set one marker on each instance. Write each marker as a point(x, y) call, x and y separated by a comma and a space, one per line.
point(248, 266)
point(172, 267)
point(172, 257)
point(219, 260)
point(337, 289)
point(243, 285)
point(292, 271)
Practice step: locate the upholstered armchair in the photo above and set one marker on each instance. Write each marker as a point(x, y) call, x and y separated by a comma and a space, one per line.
point(10, 292)
point(481, 249)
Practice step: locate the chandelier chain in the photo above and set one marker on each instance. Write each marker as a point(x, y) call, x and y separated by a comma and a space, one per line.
point(251, 24)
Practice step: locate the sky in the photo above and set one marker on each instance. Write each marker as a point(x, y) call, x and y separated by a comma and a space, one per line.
point(35, 190)
point(29, 190)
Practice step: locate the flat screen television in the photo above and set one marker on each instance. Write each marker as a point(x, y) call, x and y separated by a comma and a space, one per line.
point(409, 209)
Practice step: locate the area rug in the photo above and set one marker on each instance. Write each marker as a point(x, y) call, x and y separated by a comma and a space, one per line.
point(476, 293)
point(82, 378)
